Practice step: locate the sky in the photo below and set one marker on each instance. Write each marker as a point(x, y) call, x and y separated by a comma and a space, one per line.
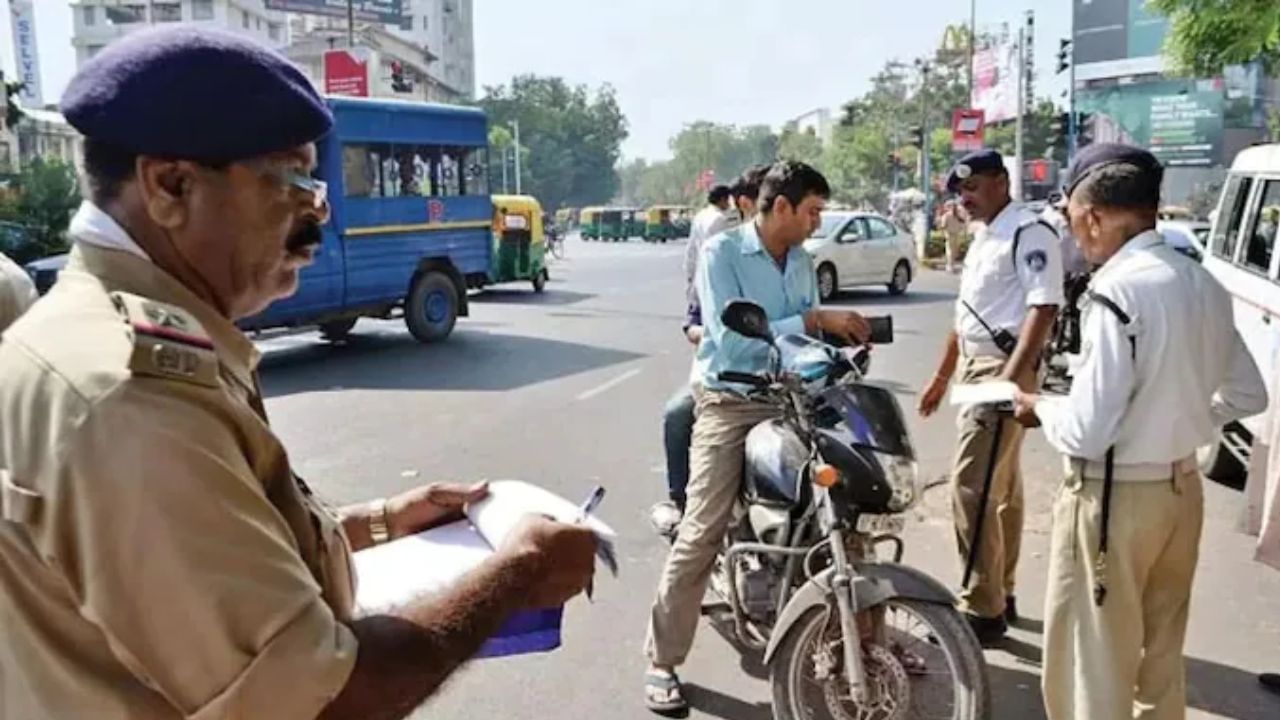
point(673, 62)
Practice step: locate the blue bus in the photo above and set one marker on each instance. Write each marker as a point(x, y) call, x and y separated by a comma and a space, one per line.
point(412, 220)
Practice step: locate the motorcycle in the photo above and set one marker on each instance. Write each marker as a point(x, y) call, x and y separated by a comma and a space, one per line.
point(845, 635)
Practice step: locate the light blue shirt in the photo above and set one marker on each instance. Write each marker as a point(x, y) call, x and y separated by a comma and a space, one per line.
point(735, 265)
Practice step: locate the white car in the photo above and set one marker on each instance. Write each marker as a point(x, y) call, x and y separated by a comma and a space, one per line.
point(1189, 237)
point(852, 249)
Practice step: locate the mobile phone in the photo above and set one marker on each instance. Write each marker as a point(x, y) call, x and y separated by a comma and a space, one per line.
point(881, 330)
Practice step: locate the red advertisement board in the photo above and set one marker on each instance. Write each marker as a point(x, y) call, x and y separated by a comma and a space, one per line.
point(968, 130)
point(346, 72)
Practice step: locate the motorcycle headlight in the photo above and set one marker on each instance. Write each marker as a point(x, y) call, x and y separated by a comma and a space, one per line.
point(904, 482)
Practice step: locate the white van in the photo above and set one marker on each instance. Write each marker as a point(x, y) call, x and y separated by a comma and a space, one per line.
point(1241, 255)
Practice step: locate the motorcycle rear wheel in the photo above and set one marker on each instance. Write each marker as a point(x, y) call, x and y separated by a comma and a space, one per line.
point(948, 683)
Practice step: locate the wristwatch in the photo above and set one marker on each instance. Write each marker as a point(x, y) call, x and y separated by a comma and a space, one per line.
point(379, 530)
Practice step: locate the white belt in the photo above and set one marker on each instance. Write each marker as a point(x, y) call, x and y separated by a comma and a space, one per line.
point(1137, 472)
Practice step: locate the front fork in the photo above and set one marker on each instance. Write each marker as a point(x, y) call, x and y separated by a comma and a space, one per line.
point(842, 585)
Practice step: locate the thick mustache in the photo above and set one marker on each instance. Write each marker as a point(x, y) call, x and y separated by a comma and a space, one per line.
point(305, 236)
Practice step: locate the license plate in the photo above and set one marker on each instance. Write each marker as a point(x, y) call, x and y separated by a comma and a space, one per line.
point(881, 524)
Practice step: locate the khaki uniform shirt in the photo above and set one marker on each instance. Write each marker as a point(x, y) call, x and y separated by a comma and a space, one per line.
point(17, 292)
point(158, 558)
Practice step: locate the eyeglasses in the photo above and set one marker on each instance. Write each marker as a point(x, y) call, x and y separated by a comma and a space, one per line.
point(318, 189)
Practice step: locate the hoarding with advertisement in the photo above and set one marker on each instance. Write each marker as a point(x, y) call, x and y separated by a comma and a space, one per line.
point(968, 131)
point(26, 55)
point(995, 82)
point(1113, 30)
point(346, 72)
point(387, 12)
point(1180, 121)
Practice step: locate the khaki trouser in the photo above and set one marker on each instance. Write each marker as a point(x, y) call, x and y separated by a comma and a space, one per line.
point(1122, 660)
point(719, 436)
point(1001, 541)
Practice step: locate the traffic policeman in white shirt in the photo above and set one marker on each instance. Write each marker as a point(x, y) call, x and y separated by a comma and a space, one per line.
point(1162, 369)
point(1010, 291)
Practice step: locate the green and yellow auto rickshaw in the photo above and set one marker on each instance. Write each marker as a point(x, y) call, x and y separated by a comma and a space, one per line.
point(589, 222)
point(636, 223)
point(662, 223)
point(520, 245)
point(615, 224)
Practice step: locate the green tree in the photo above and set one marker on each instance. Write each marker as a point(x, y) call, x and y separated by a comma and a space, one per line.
point(571, 137)
point(13, 113)
point(47, 197)
point(802, 145)
point(1208, 35)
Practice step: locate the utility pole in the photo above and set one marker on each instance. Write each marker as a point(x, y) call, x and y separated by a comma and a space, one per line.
point(351, 23)
point(505, 187)
point(973, 33)
point(926, 172)
point(515, 124)
point(1072, 129)
point(1016, 190)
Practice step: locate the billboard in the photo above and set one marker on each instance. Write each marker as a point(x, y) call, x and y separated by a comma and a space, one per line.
point(387, 12)
point(26, 55)
point(1112, 30)
point(1180, 121)
point(995, 82)
point(346, 72)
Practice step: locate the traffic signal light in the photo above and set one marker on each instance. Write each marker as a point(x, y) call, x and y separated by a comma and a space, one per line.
point(1086, 129)
point(399, 82)
point(915, 135)
point(1064, 55)
point(1059, 129)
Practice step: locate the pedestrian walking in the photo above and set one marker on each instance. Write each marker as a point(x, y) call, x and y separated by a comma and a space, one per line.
point(954, 230)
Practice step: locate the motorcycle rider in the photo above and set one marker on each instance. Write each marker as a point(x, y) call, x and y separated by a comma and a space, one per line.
point(763, 261)
point(677, 417)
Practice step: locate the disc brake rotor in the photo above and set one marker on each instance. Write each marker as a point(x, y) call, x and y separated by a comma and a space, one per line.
point(888, 689)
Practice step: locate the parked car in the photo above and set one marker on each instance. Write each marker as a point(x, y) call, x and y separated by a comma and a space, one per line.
point(1240, 253)
point(852, 249)
point(45, 271)
point(1189, 237)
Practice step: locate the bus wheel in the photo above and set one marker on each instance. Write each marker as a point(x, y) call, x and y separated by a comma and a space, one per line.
point(431, 309)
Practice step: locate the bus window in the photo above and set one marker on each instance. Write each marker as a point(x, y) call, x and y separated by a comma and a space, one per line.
point(475, 179)
point(1226, 230)
point(1262, 236)
point(449, 174)
point(359, 171)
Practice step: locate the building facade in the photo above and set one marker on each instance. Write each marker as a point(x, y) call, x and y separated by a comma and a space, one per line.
point(446, 28)
point(98, 22)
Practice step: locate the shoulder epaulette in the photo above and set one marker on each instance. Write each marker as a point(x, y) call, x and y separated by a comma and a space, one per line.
point(168, 342)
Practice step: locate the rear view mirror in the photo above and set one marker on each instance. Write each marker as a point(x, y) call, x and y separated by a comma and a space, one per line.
point(747, 319)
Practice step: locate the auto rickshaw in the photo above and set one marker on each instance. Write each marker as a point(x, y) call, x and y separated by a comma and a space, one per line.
point(589, 221)
point(661, 223)
point(520, 245)
point(636, 223)
point(615, 224)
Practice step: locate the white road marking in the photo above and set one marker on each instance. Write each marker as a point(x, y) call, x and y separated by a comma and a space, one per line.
point(609, 385)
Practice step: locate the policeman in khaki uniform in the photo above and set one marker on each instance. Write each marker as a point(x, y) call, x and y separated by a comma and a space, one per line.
point(1010, 291)
point(158, 557)
point(17, 292)
point(1162, 369)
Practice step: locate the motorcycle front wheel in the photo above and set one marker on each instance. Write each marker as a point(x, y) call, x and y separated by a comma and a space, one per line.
point(929, 667)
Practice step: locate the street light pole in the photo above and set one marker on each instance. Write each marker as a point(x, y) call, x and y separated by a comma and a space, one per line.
point(973, 32)
point(1022, 109)
point(926, 170)
point(515, 124)
point(351, 23)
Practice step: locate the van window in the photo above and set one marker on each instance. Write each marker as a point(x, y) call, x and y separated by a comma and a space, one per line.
point(1262, 236)
point(1226, 230)
point(389, 171)
point(360, 177)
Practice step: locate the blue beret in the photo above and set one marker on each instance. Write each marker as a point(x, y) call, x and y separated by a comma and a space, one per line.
point(194, 94)
point(1101, 155)
point(975, 163)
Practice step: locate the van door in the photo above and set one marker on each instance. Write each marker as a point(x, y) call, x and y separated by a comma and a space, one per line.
point(1256, 293)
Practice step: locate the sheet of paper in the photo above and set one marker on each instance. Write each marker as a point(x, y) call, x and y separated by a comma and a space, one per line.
point(424, 564)
point(983, 393)
point(510, 501)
